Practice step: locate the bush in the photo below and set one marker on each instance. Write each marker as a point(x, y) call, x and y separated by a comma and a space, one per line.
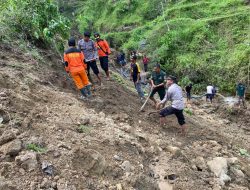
point(36, 21)
point(207, 41)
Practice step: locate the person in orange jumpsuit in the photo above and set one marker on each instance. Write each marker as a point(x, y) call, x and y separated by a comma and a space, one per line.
point(74, 64)
point(103, 53)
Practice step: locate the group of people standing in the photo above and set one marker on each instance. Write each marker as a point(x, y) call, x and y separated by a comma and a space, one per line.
point(79, 60)
point(212, 90)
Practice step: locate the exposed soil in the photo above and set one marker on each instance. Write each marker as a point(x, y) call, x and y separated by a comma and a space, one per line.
point(106, 143)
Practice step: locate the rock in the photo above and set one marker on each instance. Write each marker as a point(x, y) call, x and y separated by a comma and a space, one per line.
point(56, 154)
point(200, 163)
point(102, 115)
point(232, 161)
point(224, 178)
point(118, 158)
point(45, 183)
point(140, 148)
point(246, 169)
point(6, 185)
point(64, 185)
point(89, 160)
point(142, 138)
point(217, 187)
point(121, 117)
point(56, 178)
point(141, 166)
point(237, 187)
point(27, 161)
point(219, 167)
point(156, 176)
point(238, 173)
point(84, 121)
point(7, 136)
point(127, 128)
point(33, 185)
point(119, 187)
point(21, 171)
point(173, 150)
point(64, 145)
point(54, 185)
point(47, 168)
point(153, 151)
point(5, 116)
point(12, 148)
point(126, 166)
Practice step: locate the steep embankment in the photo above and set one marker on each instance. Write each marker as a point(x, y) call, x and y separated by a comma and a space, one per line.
point(104, 143)
point(199, 41)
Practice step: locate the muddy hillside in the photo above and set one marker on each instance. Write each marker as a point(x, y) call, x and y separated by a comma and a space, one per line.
point(52, 140)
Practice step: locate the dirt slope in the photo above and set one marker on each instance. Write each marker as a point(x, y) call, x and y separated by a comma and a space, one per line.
point(104, 143)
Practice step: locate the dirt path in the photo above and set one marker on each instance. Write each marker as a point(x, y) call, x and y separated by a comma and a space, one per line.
point(104, 143)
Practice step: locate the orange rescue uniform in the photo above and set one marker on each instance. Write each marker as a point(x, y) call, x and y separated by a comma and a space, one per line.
point(103, 48)
point(74, 63)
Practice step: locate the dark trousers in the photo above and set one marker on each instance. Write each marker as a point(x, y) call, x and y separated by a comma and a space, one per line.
point(145, 67)
point(178, 113)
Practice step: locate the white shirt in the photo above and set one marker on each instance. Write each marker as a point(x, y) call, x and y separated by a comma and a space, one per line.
point(210, 89)
point(174, 94)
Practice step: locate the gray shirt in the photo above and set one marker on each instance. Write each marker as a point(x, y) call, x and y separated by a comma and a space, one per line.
point(174, 94)
point(88, 48)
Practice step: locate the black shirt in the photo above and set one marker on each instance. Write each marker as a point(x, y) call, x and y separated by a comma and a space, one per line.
point(188, 88)
point(135, 70)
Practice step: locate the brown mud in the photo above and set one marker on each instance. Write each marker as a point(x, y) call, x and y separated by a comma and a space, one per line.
point(106, 143)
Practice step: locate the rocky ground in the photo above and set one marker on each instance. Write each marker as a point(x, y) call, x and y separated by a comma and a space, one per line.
point(49, 139)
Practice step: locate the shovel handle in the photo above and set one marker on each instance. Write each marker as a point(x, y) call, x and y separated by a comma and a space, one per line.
point(146, 99)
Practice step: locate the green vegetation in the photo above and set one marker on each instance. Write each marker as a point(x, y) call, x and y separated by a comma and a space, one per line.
point(37, 22)
point(188, 111)
point(122, 81)
point(199, 41)
point(36, 148)
point(84, 129)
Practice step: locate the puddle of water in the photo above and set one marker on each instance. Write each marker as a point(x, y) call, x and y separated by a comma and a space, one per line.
point(163, 185)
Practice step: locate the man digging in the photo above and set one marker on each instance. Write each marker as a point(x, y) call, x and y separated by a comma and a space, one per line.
point(158, 83)
point(174, 94)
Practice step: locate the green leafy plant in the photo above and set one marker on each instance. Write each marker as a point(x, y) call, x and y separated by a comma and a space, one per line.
point(36, 21)
point(188, 111)
point(84, 129)
point(36, 148)
point(198, 41)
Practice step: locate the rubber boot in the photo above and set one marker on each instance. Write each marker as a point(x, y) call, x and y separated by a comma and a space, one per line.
point(88, 92)
point(83, 91)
